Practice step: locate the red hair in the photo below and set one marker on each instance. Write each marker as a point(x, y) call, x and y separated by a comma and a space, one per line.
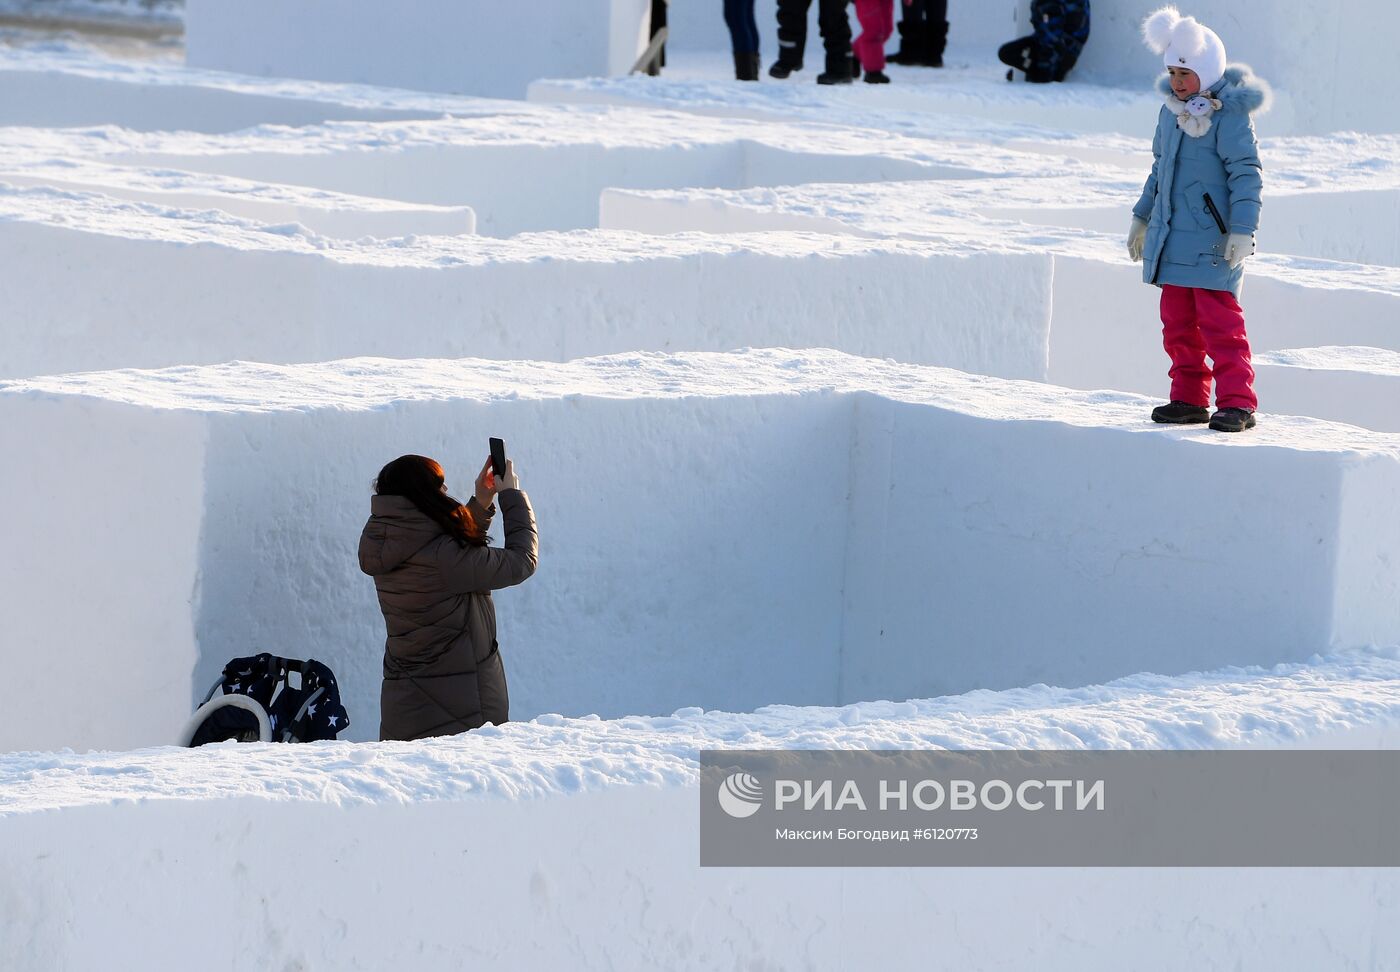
point(419, 480)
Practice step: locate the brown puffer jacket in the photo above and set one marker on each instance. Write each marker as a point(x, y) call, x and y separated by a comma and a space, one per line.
point(442, 667)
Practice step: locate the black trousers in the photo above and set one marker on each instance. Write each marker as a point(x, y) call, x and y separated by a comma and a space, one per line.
point(923, 25)
point(833, 22)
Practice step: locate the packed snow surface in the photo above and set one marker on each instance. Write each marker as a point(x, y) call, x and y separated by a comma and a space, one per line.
point(571, 843)
point(1279, 706)
point(1372, 361)
point(370, 384)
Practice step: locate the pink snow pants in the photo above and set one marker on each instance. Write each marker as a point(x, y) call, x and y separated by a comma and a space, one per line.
point(876, 25)
point(1196, 323)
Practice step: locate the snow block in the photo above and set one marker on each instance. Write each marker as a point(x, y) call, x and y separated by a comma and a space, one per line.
point(799, 527)
point(535, 168)
point(593, 824)
point(1104, 327)
point(57, 89)
point(322, 212)
point(1351, 226)
point(1360, 386)
point(425, 45)
point(109, 284)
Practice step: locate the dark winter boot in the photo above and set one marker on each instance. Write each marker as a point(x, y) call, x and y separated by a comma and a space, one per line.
point(937, 43)
point(746, 67)
point(913, 44)
point(838, 71)
point(1232, 420)
point(782, 68)
point(876, 77)
point(1180, 413)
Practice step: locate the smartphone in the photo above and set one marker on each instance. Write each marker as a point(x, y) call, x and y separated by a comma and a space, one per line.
point(498, 458)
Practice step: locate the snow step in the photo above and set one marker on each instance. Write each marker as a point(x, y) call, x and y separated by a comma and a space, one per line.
point(729, 529)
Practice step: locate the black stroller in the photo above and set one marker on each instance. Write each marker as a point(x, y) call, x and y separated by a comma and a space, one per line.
point(269, 699)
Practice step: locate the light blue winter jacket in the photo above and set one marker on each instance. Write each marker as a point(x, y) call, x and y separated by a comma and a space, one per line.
point(1184, 245)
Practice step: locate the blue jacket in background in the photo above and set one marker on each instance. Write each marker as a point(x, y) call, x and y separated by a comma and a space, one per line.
point(1060, 29)
point(1184, 244)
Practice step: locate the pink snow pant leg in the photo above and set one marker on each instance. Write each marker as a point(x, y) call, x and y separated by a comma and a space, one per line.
point(1197, 322)
point(876, 25)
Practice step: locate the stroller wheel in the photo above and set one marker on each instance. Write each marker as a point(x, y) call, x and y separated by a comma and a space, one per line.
point(226, 717)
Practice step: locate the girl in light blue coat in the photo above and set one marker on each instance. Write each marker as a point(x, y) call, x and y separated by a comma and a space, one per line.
point(1194, 226)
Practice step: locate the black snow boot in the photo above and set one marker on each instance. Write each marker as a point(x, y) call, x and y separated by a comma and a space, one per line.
point(838, 70)
point(876, 77)
point(1180, 413)
point(937, 43)
point(913, 43)
point(782, 68)
point(746, 67)
point(1232, 420)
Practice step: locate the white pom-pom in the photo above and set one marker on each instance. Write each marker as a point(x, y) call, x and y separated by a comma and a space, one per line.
point(1188, 37)
point(1157, 28)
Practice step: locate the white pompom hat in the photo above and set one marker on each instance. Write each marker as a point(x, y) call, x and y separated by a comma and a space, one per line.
point(1185, 42)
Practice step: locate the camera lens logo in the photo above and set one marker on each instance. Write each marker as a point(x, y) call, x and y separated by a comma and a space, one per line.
point(740, 795)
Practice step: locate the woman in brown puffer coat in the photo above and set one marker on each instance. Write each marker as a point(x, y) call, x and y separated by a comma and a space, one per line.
point(434, 573)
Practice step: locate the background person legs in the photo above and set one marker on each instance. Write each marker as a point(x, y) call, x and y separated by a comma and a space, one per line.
point(836, 36)
point(876, 24)
point(1061, 30)
point(923, 33)
point(792, 37)
point(658, 23)
point(743, 37)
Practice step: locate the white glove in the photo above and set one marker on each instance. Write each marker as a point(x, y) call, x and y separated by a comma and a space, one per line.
point(1237, 247)
point(509, 480)
point(1137, 234)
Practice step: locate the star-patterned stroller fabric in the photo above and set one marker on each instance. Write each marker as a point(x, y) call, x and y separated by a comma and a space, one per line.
point(270, 699)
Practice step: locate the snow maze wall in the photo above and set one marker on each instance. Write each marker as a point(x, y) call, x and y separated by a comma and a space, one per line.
point(150, 248)
point(1097, 298)
point(730, 531)
point(832, 407)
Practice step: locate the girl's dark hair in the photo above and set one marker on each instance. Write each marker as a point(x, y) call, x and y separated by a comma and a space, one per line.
point(419, 480)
